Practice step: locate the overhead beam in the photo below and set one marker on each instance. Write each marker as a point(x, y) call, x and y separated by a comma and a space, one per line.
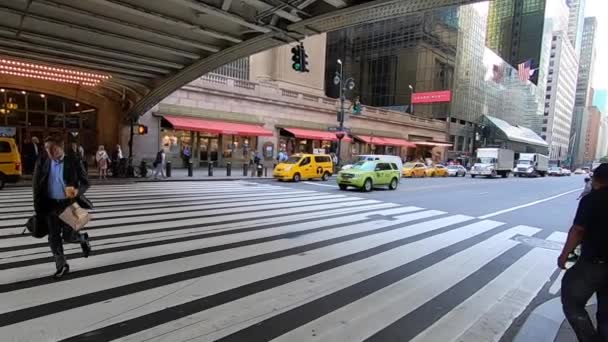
point(92, 49)
point(217, 12)
point(116, 72)
point(152, 45)
point(270, 9)
point(60, 52)
point(145, 30)
point(141, 12)
point(201, 67)
point(226, 5)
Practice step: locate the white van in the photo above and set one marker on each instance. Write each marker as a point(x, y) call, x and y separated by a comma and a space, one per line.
point(370, 157)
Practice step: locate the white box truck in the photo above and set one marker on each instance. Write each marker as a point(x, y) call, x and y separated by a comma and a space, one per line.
point(492, 162)
point(531, 165)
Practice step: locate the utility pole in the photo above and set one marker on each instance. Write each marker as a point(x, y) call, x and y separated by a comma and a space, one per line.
point(343, 85)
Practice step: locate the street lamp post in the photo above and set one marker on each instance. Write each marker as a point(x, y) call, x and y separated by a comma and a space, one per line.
point(411, 98)
point(343, 85)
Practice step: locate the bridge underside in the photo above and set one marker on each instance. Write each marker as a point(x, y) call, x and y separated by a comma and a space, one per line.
point(137, 52)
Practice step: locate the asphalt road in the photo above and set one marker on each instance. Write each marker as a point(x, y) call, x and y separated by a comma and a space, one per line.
point(442, 259)
point(480, 197)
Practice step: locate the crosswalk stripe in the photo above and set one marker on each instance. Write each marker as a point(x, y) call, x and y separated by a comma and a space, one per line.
point(253, 309)
point(193, 210)
point(496, 305)
point(384, 305)
point(198, 244)
point(246, 261)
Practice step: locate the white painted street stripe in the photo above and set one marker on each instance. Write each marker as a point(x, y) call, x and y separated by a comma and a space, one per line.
point(206, 261)
point(487, 314)
point(500, 212)
point(363, 318)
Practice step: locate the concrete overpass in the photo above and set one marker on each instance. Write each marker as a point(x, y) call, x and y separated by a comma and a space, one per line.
point(137, 52)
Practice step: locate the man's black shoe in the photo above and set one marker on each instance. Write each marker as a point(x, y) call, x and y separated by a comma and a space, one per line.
point(65, 269)
point(86, 245)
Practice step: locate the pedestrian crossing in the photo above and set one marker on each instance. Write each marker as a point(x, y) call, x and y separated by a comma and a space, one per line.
point(243, 261)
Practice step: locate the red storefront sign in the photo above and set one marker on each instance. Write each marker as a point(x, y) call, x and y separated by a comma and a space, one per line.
point(432, 97)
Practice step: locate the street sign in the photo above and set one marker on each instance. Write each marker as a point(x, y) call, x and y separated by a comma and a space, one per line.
point(335, 129)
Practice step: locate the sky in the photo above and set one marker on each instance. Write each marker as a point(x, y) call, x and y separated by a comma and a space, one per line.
point(599, 9)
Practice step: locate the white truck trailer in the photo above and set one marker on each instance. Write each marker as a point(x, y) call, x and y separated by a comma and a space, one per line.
point(492, 162)
point(531, 165)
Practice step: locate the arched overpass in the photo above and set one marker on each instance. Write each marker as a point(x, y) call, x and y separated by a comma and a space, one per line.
point(137, 52)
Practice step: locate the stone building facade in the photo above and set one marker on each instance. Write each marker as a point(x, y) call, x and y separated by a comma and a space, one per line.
point(291, 120)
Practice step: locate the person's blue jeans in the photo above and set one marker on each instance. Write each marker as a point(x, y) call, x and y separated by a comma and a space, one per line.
point(579, 284)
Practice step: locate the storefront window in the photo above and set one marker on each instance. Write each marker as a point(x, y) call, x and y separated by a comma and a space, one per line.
point(238, 147)
point(173, 141)
point(89, 119)
point(55, 120)
point(72, 121)
point(208, 147)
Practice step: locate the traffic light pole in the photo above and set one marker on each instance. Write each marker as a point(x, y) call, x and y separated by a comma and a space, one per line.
point(341, 121)
point(131, 134)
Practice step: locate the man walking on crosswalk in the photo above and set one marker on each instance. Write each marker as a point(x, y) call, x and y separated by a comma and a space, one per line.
point(58, 181)
point(590, 273)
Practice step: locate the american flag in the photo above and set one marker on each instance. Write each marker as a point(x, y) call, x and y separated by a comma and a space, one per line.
point(523, 70)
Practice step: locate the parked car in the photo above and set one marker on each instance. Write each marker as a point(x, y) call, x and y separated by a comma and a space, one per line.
point(555, 171)
point(10, 162)
point(579, 172)
point(566, 172)
point(369, 174)
point(304, 166)
point(412, 170)
point(437, 171)
point(456, 171)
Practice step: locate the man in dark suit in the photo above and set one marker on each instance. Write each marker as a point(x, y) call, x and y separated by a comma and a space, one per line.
point(31, 153)
point(59, 180)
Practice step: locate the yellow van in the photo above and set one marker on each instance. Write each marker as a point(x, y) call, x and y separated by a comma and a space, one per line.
point(305, 166)
point(10, 162)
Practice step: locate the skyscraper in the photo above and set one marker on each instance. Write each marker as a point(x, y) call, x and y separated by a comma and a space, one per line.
point(559, 100)
point(584, 95)
point(575, 23)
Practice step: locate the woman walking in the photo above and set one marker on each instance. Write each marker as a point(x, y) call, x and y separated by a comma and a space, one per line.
point(103, 160)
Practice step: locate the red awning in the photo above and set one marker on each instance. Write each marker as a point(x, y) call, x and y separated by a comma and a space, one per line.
point(217, 127)
point(384, 141)
point(432, 143)
point(314, 135)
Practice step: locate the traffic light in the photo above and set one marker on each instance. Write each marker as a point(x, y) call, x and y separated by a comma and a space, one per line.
point(142, 129)
point(296, 58)
point(299, 58)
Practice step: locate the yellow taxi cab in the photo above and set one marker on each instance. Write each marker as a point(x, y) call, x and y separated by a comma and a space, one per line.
point(10, 162)
point(411, 170)
point(304, 166)
point(437, 171)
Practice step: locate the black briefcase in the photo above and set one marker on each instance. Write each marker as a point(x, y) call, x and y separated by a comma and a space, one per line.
point(37, 226)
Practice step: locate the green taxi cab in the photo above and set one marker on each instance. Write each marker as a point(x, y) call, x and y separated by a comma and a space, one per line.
point(369, 174)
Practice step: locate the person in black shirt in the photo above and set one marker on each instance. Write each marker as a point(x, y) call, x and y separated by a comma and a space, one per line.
point(589, 274)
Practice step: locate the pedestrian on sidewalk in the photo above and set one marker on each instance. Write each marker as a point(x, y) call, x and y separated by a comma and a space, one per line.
point(589, 275)
point(103, 160)
point(159, 164)
point(58, 181)
point(186, 155)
